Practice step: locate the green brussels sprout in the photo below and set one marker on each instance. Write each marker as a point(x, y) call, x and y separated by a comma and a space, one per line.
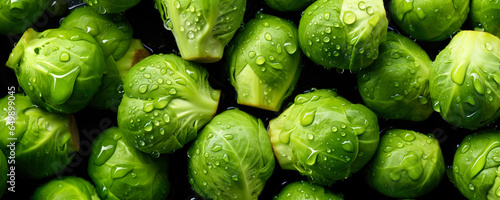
point(475, 166)
point(343, 34)
point(324, 136)
point(110, 91)
point(232, 157)
point(485, 14)
point(18, 15)
point(112, 32)
point(429, 20)
point(464, 78)
point(4, 170)
point(301, 190)
point(42, 139)
point(288, 5)
point(407, 164)
point(166, 101)
point(396, 85)
point(121, 171)
point(135, 53)
point(202, 28)
point(68, 187)
point(59, 69)
point(111, 6)
point(264, 62)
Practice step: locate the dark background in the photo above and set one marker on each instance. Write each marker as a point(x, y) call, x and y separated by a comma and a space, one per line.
point(148, 26)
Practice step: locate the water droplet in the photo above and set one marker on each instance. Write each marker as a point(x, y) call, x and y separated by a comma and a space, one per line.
point(334, 129)
point(349, 17)
point(488, 46)
point(234, 177)
point(465, 147)
point(362, 5)
point(172, 91)
point(143, 89)
point(348, 146)
point(64, 57)
point(260, 60)
point(310, 136)
point(190, 34)
point(148, 127)
point(268, 36)
point(471, 187)
point(251, 54)
point(409, 136)
point(395, 176)
point(106, 150)
point(307, 117)
point(311, 159)
point(290, 48)
point(216, 148)
point(148, 107)
point(120, 171)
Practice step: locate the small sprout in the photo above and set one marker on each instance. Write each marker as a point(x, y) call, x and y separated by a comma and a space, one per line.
point(413, 168)
point(235, 167)
point(301, 190)
point(68, 187)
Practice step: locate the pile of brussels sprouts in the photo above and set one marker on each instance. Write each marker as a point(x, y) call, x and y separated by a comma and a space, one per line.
point(241, 99)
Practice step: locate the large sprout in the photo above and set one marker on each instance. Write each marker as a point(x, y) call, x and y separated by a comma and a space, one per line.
point(464, 80)
point(68, 187)
point(301, 190)
point(429, 20)
point(18, 15)
point(232, 157)
point(264, 62)
point(59, 69)
point(396, 85)
point(202, 28)
point(121, 171)
point(166, 101)
point(407, 164)
point(475, 166)
point(324, 136)
point(343, 34)
point(45, 142)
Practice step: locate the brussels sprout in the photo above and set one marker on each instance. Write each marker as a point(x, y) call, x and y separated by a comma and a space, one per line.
point(202, 28)
point(324, 136)
point(120, 171)
point(429, 20)
point(69, 187)
point(110, 91)
point(396, 85)
point(485, 14)
point(343, 34)
point(17, 15)
point(407, 164)
point(464, 78)
point(111, 6)
point(288, 5)
point(301, 190)
point(264, 62)
point(59, 69)
point(43, 139)
point(166, 101)
point(4, 170)
point(135, 53)
point(232, 157)
point(112, 32)
point(475, 166)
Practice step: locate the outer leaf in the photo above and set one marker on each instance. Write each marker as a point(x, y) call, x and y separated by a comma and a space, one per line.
point(202, 28)
point(486, 14)
point(232, 158)
point(304, 190)
point(111, 6)
point(166, 101)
